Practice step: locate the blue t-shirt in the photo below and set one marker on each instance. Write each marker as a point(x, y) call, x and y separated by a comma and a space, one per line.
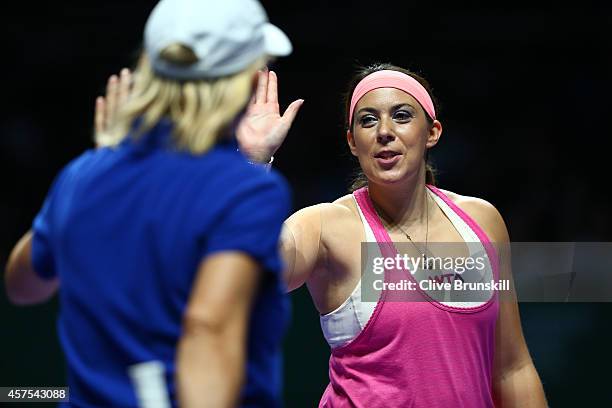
point(125, 230)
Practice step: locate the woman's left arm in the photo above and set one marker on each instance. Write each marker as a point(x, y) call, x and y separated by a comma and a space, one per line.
point(515, 380)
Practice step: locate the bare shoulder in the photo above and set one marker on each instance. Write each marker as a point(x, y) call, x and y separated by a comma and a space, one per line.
point(337, 210)
point(484, 213)
point(340, 211)
point(331, 222)
point(345, 206)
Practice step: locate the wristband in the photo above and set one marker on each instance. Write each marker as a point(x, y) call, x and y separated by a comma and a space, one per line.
point(267, 165)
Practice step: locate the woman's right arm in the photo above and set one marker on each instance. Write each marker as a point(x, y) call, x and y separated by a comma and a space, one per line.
point(301, 246)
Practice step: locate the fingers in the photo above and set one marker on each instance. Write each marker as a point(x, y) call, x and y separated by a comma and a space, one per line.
point(112, 95)
point(125, 84)
point(272, 95)
point(261, 96)
point(291, 111)
point(252, 102)
point(117, 93)
point(100, 115)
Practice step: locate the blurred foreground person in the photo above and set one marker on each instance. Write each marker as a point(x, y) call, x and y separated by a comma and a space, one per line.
point(163, 242)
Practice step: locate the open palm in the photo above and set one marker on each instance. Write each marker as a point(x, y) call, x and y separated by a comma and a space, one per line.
point(262, 129)
point(118, 90)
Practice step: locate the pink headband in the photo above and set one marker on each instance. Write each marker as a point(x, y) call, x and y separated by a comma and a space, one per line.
point(392, 79)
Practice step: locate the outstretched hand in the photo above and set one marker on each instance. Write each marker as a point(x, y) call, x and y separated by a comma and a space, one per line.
point(117, 92)
point(262, 130)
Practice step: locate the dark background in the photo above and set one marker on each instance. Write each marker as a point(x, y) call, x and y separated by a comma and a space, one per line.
point(524, 90)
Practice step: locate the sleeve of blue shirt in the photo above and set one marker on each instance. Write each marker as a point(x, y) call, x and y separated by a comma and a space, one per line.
point(42, 226)
point(252, 222)
point(42, 254)
point(42, 257)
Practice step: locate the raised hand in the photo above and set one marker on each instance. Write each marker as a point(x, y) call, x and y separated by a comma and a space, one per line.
point(117, 92)
point(262, 129)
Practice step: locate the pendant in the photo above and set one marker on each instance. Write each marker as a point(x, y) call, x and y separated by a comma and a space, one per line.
point(429, 263)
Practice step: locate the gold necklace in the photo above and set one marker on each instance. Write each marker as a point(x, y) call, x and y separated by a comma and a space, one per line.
point(426, 264)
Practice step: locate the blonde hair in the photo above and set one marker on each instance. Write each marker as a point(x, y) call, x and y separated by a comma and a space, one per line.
point(200, 110)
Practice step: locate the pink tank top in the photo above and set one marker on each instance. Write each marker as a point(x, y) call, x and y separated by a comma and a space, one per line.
point(417, 354)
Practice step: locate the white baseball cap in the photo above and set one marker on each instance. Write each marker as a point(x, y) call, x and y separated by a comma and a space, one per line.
point(225, 35)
